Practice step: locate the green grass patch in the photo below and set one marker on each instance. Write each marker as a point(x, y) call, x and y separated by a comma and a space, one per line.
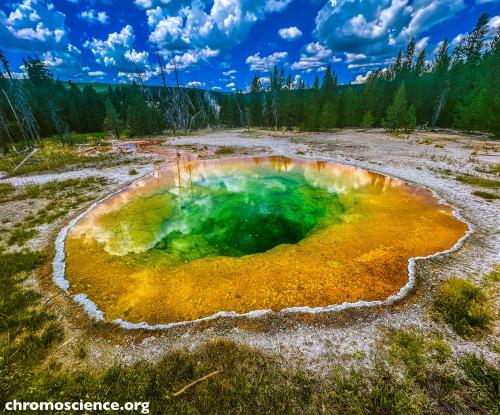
point(95, 139)
point(478, 181)
point(19, 236)
point(225, 151)
point(485, 195)
point(57, 155)
point(6, 190)
point(495, 169)
point(464, 306)
point(253, 382)
point(26, 330)
point(494, 276)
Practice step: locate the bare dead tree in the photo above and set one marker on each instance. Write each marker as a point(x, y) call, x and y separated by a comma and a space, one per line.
point(440, 103)
point(137, 70)
point(60, 126)
point(274, 97)
point(180, 111)
point(21, 111)
point(243, 120)
point(5, 135)
point(160, 64)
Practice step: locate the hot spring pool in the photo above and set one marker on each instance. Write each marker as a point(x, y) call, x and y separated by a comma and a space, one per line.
point(242, 235)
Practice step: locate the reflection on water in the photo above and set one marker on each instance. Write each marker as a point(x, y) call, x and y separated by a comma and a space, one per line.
point(252, 233)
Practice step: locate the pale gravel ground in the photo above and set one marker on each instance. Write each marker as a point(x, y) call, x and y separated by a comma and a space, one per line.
point(317, 346)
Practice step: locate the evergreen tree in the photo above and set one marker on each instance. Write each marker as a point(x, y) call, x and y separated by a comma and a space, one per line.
point(420, 65)
point(93, 116)
point(397, 66)
point(442, 60)
point(328, 85)
point(140, 119)
point(36, 70)
point(475, 41)
point(289, 81)
point(328, 116)
point(255, 105)
point(316, 83)
point(112, 122)
point(368, 120)
point(407, 64)
point(399, 116)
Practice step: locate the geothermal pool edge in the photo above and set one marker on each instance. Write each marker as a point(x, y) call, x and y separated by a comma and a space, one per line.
point(92, 310)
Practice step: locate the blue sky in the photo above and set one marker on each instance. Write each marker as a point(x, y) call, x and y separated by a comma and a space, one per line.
point(220, 44)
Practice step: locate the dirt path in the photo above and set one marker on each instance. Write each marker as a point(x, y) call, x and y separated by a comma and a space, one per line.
point(432, 160)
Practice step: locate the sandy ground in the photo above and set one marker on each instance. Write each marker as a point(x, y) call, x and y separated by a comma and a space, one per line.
point(428, 159)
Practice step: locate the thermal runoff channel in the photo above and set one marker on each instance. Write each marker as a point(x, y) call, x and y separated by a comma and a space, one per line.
point(198, 238)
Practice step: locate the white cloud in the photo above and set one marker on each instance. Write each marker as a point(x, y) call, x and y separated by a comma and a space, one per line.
point(117, 51)
point(216, 88)
point(191, 58)
point(93, 16)
point(264, 80)
point(230, 72)
point(97, 74)
point(493, 26)
point(290, 33)
point(353, 57)
point(231, 85)
point(314, 56)
point(188, 26)
point(377, 28)
point(265, 63)
point(361, 79)
point(33, 25)
point(296, 82)
point(422, 43)
point(67, 63)
point(36, 26)
point(195, 84)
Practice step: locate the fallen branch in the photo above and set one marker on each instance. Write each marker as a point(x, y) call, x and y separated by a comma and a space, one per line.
point(185, 388)
point(27, 157)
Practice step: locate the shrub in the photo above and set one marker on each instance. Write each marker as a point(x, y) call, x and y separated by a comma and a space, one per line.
point(6, 189)
point(32, 190)
point(463, 305)
point(20, 236)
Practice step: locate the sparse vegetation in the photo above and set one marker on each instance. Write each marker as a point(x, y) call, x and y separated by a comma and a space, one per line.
point(27, 331)
point(478, 181)
point(133, 172)
point(19, 236)
point(485, 195)
point(464, 306)
point(64, 195)
point(6, 189)
point(495, 169)
point(55, 155)
point(225, 151)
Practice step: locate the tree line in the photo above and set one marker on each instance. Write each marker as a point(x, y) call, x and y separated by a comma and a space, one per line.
point(456, 90)
point(39, 106)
